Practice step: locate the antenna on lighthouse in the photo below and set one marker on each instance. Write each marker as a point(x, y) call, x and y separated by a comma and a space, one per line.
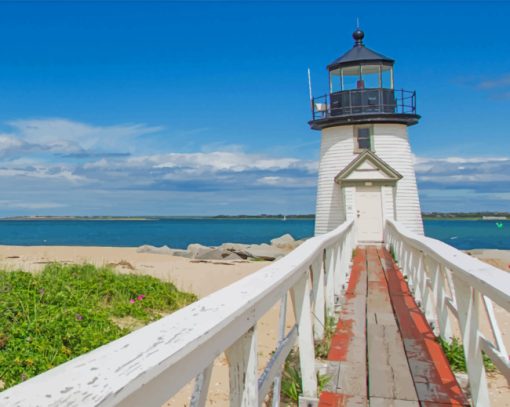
point(357, 22)
point(310, 89)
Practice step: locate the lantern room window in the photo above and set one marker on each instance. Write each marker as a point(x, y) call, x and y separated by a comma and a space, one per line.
point(361, 77)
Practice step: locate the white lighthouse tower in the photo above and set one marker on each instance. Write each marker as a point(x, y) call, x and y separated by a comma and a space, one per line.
point(366, 166)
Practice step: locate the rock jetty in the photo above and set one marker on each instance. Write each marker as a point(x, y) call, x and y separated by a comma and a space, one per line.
point(278, 248)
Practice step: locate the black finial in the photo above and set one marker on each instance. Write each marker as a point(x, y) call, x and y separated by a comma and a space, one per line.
point(358, 37)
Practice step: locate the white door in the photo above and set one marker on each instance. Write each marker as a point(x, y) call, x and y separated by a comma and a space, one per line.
point(369, 222)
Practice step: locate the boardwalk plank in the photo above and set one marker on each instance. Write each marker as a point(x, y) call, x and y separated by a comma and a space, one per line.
point(328, 399)
point(388, 372)
point(434, 381)
point(348, 345)
point(381, 324)
point(380, 402)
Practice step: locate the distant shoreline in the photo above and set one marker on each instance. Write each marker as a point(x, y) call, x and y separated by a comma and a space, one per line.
point(155, 218)
point(486, 216)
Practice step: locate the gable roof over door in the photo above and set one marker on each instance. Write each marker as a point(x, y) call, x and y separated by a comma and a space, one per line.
point(368, 167)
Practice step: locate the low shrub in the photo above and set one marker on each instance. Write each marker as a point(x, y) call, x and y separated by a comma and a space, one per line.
point(51, 317)
point(454, 352)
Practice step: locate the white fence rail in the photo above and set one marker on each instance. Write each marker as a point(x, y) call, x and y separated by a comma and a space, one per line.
point(449, 283)
point(150, 365)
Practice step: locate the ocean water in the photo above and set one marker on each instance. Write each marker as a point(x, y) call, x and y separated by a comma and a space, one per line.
point(470, 234)
point(178, 233)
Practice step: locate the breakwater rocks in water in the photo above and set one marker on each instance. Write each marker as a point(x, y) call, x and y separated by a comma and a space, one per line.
point(278, 248)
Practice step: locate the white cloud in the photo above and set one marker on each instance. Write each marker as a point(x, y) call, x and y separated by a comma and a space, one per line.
point(469, 169)
point(31, 205)
point(49, 157)
point(68, 137)
point(464, 183)
point(498, 82)
point(226, 161)
point(287, 182)
point(43, 173)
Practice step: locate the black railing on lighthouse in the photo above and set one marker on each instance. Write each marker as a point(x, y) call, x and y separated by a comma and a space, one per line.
point(363, 102)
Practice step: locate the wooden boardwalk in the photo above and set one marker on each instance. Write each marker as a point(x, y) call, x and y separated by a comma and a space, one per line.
point(384, 352)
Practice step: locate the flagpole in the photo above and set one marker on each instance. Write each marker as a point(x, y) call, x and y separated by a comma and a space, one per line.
point(310, 89)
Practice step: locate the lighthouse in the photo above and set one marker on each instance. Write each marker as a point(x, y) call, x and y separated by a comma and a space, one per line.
point(366, 166)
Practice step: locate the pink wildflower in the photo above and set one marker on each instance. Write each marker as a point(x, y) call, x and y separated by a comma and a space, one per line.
point(132, 301)
point(140, 297)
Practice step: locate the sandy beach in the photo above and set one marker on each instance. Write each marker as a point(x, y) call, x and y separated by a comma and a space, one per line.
point(203, 278)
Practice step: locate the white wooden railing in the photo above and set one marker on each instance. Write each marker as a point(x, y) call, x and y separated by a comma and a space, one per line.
point(148, 366)
point(449, 283)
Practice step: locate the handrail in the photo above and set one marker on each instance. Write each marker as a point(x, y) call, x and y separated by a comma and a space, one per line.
point(148, 366)
point(446, 282)
point(364, 101)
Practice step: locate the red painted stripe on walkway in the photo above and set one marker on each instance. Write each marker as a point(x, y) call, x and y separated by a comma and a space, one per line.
point(345, 330)
point(348, 345)
point(434, 380)
point(328, 399)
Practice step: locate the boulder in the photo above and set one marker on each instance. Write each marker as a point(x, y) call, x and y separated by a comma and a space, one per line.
point(237, 248)
point(233, 247)
point(265, 251)
point(182, 253)
point(243, 254)
point(216, 254)
point(285, 242)
point(146, 248)
point(195, 250)
point(232, 256)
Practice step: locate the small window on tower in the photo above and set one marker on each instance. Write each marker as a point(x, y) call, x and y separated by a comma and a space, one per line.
point(363, 138)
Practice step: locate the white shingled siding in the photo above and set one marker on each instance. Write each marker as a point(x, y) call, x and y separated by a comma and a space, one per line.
point(391, 144)
point(336, 152)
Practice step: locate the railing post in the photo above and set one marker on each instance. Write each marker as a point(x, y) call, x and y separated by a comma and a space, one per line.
point(338, 262)
point(330, 260)
point(401, 255)
point(443, 316)
point(426, 292)
point(341, 268)
point(281, 335)
point(302, 311)
point(242, 360)
point(199, 396)
point(406, 264)
point(318, 297)
point(468, 304)
point(418, 275)
point(491, 316)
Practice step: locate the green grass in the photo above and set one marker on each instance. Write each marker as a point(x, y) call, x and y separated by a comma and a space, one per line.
point(455, 354)
point(292, 383)
point(291, 377)
point(67, 310)
point(393, 254)
point(322, 347)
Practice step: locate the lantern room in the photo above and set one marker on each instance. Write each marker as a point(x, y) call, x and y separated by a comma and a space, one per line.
point(360, 68)
point(361, 87)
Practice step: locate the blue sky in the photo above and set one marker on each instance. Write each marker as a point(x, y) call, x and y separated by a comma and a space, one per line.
point(201, 108)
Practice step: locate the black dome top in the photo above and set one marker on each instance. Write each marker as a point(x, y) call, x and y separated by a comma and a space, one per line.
point(358, 36)
point(359, 54)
